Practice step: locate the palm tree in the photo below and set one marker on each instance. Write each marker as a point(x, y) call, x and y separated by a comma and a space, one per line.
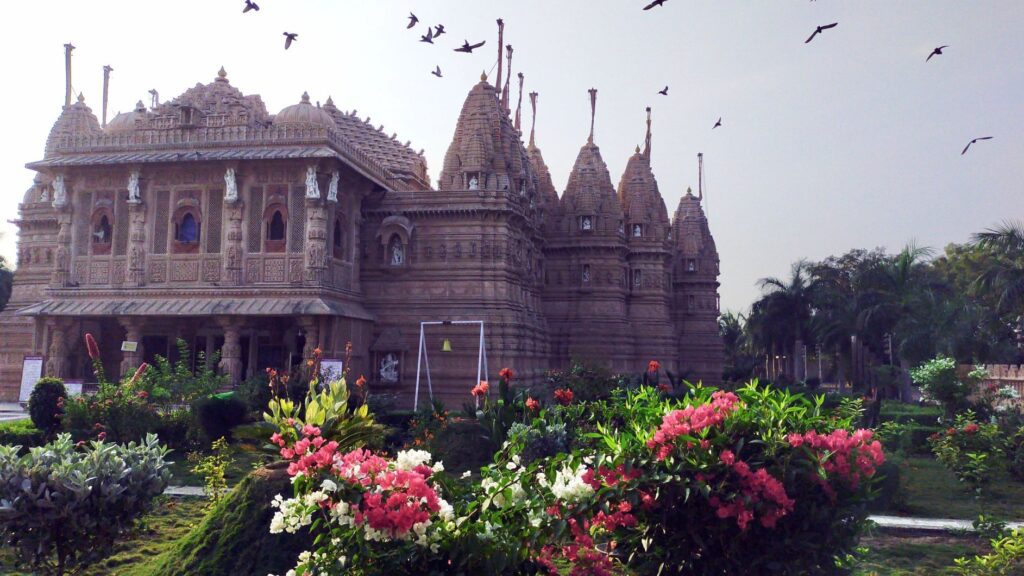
point(1005, 275)
point(786, 309)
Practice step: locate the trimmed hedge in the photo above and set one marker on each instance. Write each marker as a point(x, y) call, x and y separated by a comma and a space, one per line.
point(21, 433)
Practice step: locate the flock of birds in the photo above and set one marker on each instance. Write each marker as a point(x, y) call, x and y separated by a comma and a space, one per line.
point(434, 32)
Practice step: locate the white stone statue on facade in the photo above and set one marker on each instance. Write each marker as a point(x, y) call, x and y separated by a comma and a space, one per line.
point(587, 223)
point(332, 190)
point(133, 187)
point(44, 194)
point(230, 186)
point(397, 254)
point(60, 193)
point(389, 369)
point(474, 184)
point(312, 188)
point(637, 231)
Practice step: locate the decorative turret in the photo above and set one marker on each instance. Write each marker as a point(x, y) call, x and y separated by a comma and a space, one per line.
point(589, 205)
point(127, 121)
point(693, 244)
point(547, 195)
point(303, 113)
point(212, 105)
point(646, 217)
point(486, 153)
point(75, 120)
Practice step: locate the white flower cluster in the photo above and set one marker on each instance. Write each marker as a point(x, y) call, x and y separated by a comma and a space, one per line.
point(493, 489)
point(568, 485)
point(409, 459)
point(292, 514)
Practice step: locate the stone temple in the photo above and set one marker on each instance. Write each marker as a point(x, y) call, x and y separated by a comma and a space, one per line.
point(262, 236)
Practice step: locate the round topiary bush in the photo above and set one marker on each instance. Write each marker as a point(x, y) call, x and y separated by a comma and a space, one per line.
point(46, 404)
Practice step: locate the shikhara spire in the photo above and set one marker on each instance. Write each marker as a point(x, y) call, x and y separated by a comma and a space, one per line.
point(519, 105)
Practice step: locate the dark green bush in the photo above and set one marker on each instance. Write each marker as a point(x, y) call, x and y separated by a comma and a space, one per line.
point(255, 392)
point(46, 404)
point(217, 415)
point(889, 494)
point(178, 430)
point(114, 413)
point(463, 445)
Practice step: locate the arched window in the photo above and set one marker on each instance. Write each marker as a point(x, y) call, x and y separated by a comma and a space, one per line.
point(396, 251)
point(102, 231)
point(638, 230)
point(275, 229)
point(339, 239)
point(187, 226)
point(275, 225)
point(637, 279)
point(101, 234)
point(188, 229)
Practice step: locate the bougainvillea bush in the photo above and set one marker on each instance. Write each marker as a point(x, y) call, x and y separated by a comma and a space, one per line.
point(756, 481)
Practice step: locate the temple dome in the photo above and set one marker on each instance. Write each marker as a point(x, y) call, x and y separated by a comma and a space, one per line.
point(589, 192)
point(691, 234)
point(126, 121)
point(75, 120)
point(641, 200)
point(303, 113)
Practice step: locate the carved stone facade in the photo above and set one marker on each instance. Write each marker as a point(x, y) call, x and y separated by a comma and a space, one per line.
point(261, 237)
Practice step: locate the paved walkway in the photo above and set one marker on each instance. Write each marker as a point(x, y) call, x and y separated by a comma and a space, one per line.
point(889, 522)
point(11, 411)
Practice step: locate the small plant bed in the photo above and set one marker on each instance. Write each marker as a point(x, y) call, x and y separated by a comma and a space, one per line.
point(894, 555)
point(243, 459)
point(932, 491)
point(21, 433)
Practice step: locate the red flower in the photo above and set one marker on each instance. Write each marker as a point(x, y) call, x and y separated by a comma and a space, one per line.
point(532, 404)
point(481, 389)
point(92, 347)
point(506, 374)
point(653, 366)
point(564, 396)
point(361, 381)
point(142, 394)
point(971, 428)
point(102, 436)
point(138, 373)
point(951, 432)
point(664, 388)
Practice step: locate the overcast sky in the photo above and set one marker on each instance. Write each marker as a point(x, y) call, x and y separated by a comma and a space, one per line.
point(850, 141)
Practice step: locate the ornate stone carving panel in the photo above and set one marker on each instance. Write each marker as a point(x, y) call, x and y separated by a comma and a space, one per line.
point(158, 272)
point(99, 273)
point(252, 271)
point(184, 271)
point(211, 270)
point(117, 278)
point(273, 269)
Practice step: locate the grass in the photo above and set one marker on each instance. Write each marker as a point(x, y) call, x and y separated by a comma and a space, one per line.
point(245, 457)
point(133, 556)
point(932, 491)
point(914, 555)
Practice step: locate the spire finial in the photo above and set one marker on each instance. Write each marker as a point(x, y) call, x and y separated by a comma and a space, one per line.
point(647, 138)
point(107, 69)
point(67, 73)
point(501, 42)
point(593, 112)
point(533, 119)
point(483, 76)
point(508, 78)
point(637, 149)
point(305, 97)
point(222, 74)
point(519, 105)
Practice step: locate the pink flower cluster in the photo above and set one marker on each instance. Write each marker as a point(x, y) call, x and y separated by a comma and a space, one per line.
point(311, 451)
point(759, 490)
point(851, 457)
point(692, 420)
point(609, 476)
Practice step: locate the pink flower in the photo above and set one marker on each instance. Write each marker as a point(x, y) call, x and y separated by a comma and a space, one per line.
point(138, 373)
point(532, 404)
point(91, 347)
point(564, 396)
point(480, 389)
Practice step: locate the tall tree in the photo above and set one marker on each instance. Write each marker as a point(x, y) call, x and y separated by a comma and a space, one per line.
point(786, 309)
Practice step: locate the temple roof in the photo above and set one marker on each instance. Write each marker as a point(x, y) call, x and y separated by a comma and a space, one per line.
point(74, 120)
point(590, 191)
point(690, 231)
point(641, 201)
point(303, 113)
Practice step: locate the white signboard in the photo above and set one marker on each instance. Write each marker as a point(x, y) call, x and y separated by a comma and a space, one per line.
point(331, 368)
point(31, 372)
point(74, 387)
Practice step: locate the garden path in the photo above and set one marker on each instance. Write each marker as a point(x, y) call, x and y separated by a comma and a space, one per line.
point(11, 411)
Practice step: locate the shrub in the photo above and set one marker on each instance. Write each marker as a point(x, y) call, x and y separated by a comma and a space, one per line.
point(21, 433)
point(217, 415)
point(969, 449)
point(177, 429)
point(46, 404)
point(1006, 558)
point(64, 508)
point(587, 381)
point(176, 382)
point(115, 413)
point(938, 379)
point(212, 468)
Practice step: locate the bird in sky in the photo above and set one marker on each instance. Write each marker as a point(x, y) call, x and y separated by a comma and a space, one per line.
point(972, 142)
point(717, 124)
point(468, 48)
point(663, 92)
point(428, 37)
point(412, 21)
point(438, 30)
point(936, 52)
point(250, 5)
point(655, 3)
point(437, 72)
point(821, 29)
point(289, 37)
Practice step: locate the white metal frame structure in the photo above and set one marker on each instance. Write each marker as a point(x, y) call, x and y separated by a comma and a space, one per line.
point(422, 358)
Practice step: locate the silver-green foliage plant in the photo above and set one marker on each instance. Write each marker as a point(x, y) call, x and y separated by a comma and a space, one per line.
point(63, 506)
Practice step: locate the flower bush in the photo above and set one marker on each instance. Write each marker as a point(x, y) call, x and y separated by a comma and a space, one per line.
point(712, 483)
point(939, 381)
point(970, 449)
point(61, 507)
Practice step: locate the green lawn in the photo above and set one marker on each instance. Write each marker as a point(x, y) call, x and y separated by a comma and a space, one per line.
point(914, 555)
point(932, 491)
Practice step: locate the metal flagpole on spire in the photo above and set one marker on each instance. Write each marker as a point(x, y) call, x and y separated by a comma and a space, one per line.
point(519, 105)
point(647, 138)
point(593, 111)
point(67, 73)
point(106, 88)
point(508, 78)
point(533, 118)
point(501, 43)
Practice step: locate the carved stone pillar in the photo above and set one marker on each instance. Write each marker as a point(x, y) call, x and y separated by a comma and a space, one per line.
point(316, 242)
point(62, 258)
point(133, 333)
point(136, 244)
point(57, 362)
point(231, 353)
point(234, 209)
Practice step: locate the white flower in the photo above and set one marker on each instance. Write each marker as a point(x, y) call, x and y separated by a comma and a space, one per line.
point(438, 467)
point(568, 484)
point(328, 485)
point(492, 489)
point(291, 515)
point(466, 474)
point(409, 459)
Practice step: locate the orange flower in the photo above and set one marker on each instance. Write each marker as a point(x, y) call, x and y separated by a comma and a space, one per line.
point(653, 366)
point(316, 352)
point(564, 396)
point(309, 363)
point(532, 404)
point(506, 374)
point(481, 389)
point(361, 381)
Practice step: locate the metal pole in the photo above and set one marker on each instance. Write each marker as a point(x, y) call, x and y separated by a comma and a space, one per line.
point(479, 362)
point(419, 357)
point(67, 73)
point(106, 87)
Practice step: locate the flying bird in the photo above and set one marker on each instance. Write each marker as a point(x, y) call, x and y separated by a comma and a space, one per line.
point(289, 37)
point(655, 3)
point(250, 5)
point(437, 72)
point(428, 37)
point(937, 51)
point(821, 29)
point(438, 30)
point(663, 92)
point(717, 124)
point(468, 48)
point(412, 21)
point(972, 142)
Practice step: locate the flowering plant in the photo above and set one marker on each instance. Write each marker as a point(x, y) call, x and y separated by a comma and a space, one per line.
point(970, 449)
